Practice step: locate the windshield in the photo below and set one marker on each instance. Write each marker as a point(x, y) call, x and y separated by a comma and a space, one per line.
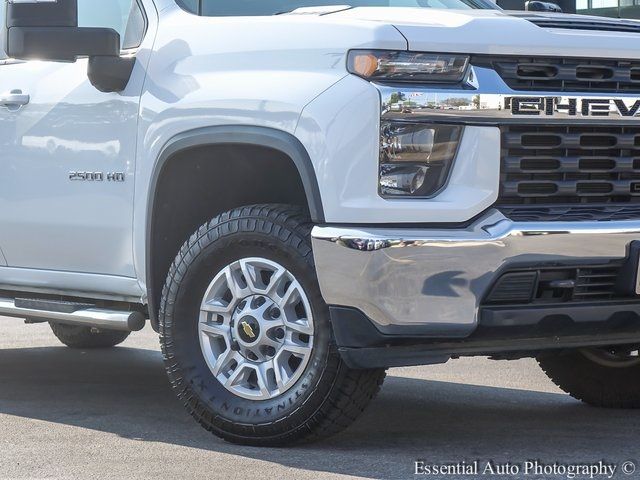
point(225, 8)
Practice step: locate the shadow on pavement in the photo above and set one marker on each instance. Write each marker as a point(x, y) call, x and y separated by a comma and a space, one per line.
point(124, 391)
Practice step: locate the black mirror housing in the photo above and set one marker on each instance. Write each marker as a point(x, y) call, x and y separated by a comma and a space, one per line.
point(110, 74)
point(62, 44)
point(37, 30)
point(49, 31)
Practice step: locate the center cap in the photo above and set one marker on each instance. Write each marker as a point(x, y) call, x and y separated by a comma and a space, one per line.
point(248, 329)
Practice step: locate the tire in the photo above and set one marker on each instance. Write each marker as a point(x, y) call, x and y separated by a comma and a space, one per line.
point(75, 336)
point(324, 399)
point(599, 377)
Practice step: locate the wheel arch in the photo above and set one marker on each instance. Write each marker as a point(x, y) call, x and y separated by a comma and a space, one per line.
point(217, 136)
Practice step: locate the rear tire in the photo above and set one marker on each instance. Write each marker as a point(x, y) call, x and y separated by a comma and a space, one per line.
point(212, 327)
point(606, 377)
point(75, 336)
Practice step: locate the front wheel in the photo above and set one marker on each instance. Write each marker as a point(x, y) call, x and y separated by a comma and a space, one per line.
point(603, 377)
point(246, 335)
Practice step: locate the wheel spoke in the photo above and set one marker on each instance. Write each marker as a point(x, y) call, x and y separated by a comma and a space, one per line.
point(242, 365)
point(222, 361)
point(301, 326)
point(274, 282)
point(215, 330)
point(296, 349)
point(271, 343)
point(280, 381)
point(261, 376)
point(249, 272)
point(217, 307)
point(285, 299)
point(232, 283)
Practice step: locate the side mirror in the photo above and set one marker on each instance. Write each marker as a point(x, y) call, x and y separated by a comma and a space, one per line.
point(537, 6)
point(48, 30)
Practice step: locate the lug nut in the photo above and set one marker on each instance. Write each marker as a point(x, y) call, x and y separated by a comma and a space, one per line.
point(275, 313)
point(235, 347)
point(279, 334)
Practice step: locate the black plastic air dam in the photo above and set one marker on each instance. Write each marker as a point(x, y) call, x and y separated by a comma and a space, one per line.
point(441, 352)
point(576, 314)
point(362, 345)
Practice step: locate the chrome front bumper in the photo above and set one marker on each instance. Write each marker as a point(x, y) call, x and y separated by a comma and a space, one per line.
point(419, 281)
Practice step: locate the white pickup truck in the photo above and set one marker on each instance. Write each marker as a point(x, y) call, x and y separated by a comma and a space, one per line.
point(298, 195)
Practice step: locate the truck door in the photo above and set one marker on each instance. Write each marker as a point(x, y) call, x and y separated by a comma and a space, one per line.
point(67, 157)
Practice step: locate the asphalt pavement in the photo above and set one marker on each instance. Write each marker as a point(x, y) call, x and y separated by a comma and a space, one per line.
point(69, 414)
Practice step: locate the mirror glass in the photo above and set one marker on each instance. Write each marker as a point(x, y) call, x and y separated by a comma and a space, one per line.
point(124, 16)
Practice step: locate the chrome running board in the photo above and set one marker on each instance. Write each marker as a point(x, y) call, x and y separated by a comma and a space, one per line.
point(72, 314)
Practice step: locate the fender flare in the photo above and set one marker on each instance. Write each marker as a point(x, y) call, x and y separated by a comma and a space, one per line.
point(267, 137)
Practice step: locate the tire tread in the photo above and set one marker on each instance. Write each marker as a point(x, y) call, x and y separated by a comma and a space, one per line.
point(82, 337)
point(591, 383)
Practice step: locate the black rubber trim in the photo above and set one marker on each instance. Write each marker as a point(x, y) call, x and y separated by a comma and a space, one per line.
point(51, 305)
point(533, 315)
point(441, 352)
point(226, 135)
point(352, 328)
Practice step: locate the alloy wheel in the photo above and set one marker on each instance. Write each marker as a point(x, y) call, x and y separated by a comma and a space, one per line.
point(256, 328)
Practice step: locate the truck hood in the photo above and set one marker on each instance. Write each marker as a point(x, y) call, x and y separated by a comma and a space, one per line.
point(500, 32)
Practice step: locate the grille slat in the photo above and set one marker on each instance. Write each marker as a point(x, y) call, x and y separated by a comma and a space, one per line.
point(548, 164)
point(564, 74)
point(571, 166)
point(592, 282)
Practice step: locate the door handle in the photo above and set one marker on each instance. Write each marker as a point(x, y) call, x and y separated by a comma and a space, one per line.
point(15, 98)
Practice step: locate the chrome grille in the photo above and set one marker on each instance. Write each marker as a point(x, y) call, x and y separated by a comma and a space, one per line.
point(584, 170)
point(564, 74)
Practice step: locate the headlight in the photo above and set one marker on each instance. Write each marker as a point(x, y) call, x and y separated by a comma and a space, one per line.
point(416, 158)
point(387, 66)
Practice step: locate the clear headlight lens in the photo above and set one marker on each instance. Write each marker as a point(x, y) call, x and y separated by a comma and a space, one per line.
point(387, 66)
point(416, 158)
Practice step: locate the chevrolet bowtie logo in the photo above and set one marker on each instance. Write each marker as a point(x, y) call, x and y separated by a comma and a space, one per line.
point(247, 329)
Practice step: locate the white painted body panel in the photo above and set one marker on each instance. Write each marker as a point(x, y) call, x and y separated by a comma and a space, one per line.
point(49, 222)
point(340, 131)
point(284, 72)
